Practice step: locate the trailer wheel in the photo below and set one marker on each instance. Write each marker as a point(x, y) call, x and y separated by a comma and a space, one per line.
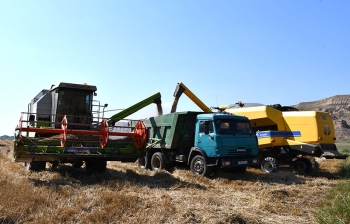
point(144, 162)
point(199, 166)
point(269, 165)
point(303, 166)
point(158, 161)
point(36, 165)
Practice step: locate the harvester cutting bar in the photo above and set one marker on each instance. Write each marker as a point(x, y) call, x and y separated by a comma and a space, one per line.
point(103, 133)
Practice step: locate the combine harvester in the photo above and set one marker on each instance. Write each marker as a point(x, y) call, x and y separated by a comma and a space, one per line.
point(289, 136)
point(285, 135)
point(65, 125)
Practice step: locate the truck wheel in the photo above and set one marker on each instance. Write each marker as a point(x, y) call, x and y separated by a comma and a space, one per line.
point(303, 166)
point(269, 165)
point(144, 162)
point(199, 166)
point(158, 161)
point(36, 165)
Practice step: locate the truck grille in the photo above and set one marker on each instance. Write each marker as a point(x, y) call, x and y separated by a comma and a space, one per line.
point(235, 152)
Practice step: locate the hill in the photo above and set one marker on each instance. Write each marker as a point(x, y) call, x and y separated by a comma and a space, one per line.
point(6, 137)
point(339, 107)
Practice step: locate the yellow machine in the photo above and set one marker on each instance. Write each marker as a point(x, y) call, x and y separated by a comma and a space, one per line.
point(285, 135)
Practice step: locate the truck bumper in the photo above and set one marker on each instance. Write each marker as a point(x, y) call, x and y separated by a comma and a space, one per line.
point(234, 162)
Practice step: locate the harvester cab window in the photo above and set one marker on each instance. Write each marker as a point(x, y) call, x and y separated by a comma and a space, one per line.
point(77, 105)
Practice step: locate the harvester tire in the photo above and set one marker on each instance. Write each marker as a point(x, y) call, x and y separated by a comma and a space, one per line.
point(302, 166)
point(77, 164)
point(96, 166)
point(36, 165)
point(199, 166)
point(144, 162)
point(158, 161)
point(269, 165)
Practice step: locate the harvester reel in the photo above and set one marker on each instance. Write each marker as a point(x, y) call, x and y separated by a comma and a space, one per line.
point(19, 128)
point(63, 135)
point(103, 133)
point(141, 137)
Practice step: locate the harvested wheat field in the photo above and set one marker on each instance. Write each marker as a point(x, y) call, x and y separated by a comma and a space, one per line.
point(127, 194)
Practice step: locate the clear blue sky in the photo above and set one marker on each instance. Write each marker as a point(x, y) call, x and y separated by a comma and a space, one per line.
point(260, 51)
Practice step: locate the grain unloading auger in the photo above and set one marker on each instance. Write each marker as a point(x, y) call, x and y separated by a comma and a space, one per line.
point(77, 136)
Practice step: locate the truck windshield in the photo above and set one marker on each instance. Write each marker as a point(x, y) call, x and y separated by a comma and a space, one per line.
point(230, 126)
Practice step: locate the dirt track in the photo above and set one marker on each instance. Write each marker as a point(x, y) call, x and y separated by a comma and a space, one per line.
point(126, 194)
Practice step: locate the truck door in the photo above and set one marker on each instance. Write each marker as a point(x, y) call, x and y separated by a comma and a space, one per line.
point(206, 139)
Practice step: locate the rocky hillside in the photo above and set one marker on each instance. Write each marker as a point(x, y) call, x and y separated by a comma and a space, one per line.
point(339, 107)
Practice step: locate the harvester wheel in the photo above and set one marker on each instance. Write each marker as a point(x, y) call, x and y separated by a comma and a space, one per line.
point(158, 161)
point(36, 165)
point(269, 165)
point(144, 162)
point(77, 164)
point(303, 166)
point(199, 166)
point(96, 166)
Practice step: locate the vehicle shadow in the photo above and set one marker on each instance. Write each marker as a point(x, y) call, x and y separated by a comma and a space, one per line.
point(78, 177)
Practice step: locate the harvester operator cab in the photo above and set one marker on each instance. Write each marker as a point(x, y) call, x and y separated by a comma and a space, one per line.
point(74, 101)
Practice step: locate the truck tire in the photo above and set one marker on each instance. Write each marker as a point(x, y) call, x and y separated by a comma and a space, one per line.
point(302, 166)
point(144, 162)
point(269, 165)
point(199, 166)
point(158, 161)
point(36, 165)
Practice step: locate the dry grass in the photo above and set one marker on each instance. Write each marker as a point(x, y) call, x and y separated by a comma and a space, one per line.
point(126, 194)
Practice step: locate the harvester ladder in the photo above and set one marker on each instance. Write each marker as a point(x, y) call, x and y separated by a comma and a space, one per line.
point(96, 113)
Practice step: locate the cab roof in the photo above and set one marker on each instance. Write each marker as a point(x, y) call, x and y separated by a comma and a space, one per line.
point(74, 86)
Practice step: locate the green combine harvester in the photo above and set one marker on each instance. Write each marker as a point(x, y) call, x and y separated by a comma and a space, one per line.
point(65, 125)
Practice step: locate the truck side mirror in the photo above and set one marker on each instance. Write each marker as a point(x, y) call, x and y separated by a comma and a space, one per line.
point(206, 127)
